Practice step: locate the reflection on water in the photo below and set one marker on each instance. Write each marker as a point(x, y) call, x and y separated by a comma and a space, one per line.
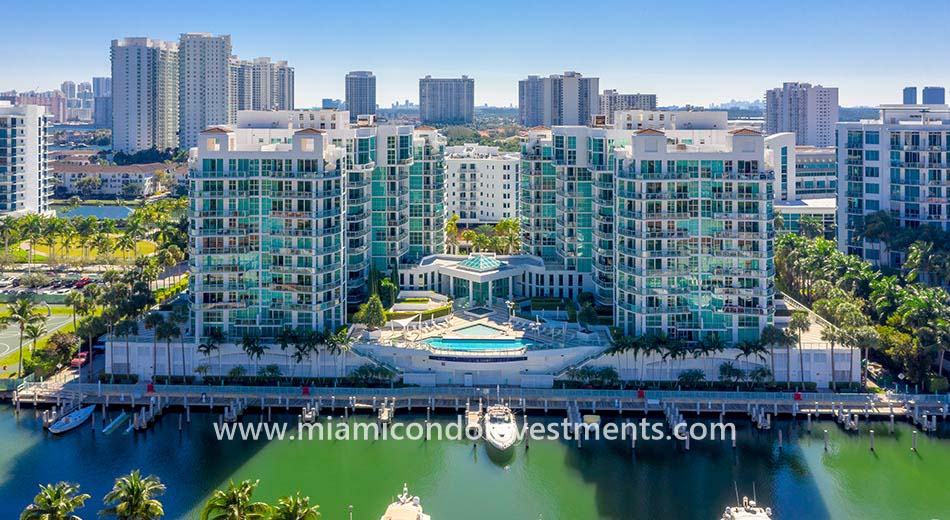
point(459, 481)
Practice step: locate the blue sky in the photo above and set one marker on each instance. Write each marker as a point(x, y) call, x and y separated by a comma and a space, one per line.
point(688, 51)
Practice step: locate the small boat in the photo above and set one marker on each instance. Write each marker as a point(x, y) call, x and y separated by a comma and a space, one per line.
point(72, 420)
point(406, 507)
point(748, 510)
point(501, 429)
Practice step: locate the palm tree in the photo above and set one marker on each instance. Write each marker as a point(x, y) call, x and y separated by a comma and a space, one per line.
point(252, 346)
point(133, 498)
point(832, 336)
point(340, 342)
point(210, 345)
point(22, 313)
point(235, 503)
point(8, 230)
point(31, 228)
point(124, 329)
point(34, 332)
point(295, 508)
point(168, 331)
point(153, 322)
point(55, 502)
point(772, 336)
point(77, 302)
point(126, 242)
point(452, 233)
point(799, 323)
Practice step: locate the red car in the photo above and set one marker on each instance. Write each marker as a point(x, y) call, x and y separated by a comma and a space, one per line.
point(81, 359)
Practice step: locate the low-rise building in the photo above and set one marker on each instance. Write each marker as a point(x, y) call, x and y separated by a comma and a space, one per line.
point(114, 179)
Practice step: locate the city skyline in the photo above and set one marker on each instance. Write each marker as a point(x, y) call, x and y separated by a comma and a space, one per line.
point(825, 36)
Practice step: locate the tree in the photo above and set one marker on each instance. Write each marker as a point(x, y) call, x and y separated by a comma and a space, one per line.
point(799, 323)
point(252, 346)
point(134, 498)
point(729, 373)
point(810, 226)
point(153, 321)
point(88, 185)
point(691, 377)
point(772, 336)
point(34, 332)
point(831, 335)
point(125, 329)
point(587, 315)
point(295, 508)
point(452, 233)
point(235, 503)
point(22, 313)
point(372, 314)
point(55, 502)
point(210, 345)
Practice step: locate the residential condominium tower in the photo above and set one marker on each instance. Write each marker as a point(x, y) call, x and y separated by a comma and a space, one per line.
point(897, 164)
point(446, 100)
point(267, 248)
point(483, 184)
point(144, 94)
point(809, 111)
point(360, 88)
point(204, 84)
point(25, 183)
point(611, 101)
point(559, 99)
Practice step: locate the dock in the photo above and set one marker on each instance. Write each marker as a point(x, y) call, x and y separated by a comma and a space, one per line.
point(231, 402)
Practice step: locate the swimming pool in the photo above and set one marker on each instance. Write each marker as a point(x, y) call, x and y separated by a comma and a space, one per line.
point(477, 344)
point(478, 331)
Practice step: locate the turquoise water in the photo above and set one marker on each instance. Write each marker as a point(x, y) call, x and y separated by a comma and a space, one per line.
point(477, 344)
point(478, 330)
point(100, 212)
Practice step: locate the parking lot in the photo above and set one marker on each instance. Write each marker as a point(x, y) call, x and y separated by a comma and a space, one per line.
point(56, 285)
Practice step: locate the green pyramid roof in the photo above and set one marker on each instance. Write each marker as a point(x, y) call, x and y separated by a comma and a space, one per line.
point(480, 263)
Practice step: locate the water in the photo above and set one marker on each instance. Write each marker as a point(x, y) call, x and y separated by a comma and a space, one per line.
point(477, 344)
point(478, 330)
point(457, 481)
point(100, 212)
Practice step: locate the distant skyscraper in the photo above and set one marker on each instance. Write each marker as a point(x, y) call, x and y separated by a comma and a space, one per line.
point(261, 84)
point(85, 86)
point(559, 99)
point(144, 94)
point(69, 89)
point(331, 104)
point(101, 87)
point(611, 101)
point(360, 93)
point(447, 100)
point(811, 112)
point(204, 78)
point(934, 96)
point(910, 95)
point(24, 171)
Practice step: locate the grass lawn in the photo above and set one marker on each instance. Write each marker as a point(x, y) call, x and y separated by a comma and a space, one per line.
point(10, 360)
point(144, 247)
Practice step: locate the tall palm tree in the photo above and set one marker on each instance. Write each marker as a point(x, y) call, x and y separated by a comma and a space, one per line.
point(831, 335)
point(153, 321)
point(168, 331)
point(210, 345)
point(126, 242)
point(55, 502)
point(8, 230)
point(125, 329)
point(295, 508)
point(235, 503)
point(31, 228)
point(133, 497)
point(34, 332)
point(799, 323)
point(452, 233)
point(22, 313)
point(252, 346)
point(340, 342)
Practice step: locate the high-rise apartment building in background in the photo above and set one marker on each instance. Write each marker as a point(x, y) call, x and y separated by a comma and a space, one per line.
point(934, 96)
point(204, 84)
point(260, 84)
point(559, 99)
point(54, 101)
point(102, 102)
point(809, 111)
point(25, 184)
point(360, 95)
point(611, 101)
point(446, 100)
point(910, 95)
point(68, 88)
point(144, 94)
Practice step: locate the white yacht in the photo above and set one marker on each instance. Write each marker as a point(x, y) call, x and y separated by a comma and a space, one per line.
point(501, 429)
point(748, 510)
point(72, 420)
point(406, 507)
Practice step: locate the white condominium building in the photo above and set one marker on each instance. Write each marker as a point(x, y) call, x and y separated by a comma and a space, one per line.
point(482, 184)
point(611, 101)
point(694, 243)
point(25, 134)
point(809, 111)
point(816, 172)
point(267, 247)
point(260, 84)
point(900, 164)
point(144, 94)
point(559, 99)
point(204, 84)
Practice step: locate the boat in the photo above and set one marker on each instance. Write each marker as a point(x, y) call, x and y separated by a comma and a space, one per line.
point(406, 507)
point(747, 510)
point(501, 429)
point(72, 420)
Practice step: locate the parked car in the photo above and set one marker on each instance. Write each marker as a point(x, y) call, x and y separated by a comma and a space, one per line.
point(81, 359)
